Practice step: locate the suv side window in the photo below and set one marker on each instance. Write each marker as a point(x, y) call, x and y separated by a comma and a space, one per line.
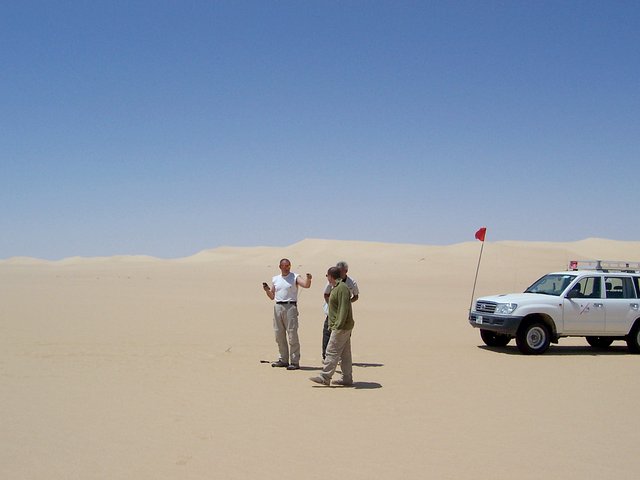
point(619, 287)
point(636, 282)
point(589, 287)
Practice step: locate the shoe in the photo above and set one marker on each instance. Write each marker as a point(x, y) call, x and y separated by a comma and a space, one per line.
point(320, 380)
point(293, 366)
point(344, 383)
point(279, 363)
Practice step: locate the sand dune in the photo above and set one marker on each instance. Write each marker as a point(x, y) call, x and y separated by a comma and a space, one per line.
point(144, 368)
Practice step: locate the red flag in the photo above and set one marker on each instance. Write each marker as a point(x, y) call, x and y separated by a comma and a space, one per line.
point(481, 233)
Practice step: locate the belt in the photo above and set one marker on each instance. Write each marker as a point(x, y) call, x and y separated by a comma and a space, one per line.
point(287, 303)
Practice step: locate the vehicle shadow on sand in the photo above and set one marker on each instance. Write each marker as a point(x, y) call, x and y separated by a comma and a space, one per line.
point(559, 350)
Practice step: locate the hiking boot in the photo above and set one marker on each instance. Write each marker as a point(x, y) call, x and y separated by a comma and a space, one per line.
point(321, 380)
point(280, 364)
point(293, 366)
point(344, 383)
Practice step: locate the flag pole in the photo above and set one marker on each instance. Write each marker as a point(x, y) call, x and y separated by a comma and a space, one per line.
point(480, 235)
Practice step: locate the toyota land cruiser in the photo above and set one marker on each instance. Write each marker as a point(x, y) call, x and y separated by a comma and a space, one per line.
point(598, 300)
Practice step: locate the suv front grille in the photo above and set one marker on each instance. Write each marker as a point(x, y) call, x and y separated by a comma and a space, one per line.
point(485, 307)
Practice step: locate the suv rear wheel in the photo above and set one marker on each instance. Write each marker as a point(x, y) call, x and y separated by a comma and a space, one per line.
point(533, 339)
point(633, 339)
point(493, 339)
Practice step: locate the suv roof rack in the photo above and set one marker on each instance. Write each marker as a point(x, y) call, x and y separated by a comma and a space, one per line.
point(605, 265)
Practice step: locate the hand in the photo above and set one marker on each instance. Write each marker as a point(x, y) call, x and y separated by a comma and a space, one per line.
point(265, 286)
point(309, 277)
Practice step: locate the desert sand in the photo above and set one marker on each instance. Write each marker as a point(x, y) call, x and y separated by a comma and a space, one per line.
point(143, 368)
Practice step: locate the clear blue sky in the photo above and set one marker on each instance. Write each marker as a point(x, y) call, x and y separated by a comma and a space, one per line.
point(168, 127)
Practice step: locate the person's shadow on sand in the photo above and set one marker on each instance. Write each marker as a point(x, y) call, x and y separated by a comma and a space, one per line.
point(355, 364)
point(355, 386)
point(366, 385)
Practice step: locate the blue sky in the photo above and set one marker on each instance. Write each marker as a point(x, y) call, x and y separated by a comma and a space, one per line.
point(168, 127)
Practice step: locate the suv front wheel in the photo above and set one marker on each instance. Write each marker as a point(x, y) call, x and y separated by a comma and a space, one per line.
point(533, 339)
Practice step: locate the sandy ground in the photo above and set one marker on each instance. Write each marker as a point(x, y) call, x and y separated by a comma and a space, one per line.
point(139, 368)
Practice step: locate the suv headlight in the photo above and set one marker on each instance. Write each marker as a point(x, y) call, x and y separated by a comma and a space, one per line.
point(506, 308)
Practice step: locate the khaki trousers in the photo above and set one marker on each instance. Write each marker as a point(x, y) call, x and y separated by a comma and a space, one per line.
point(285, 324)
point(338, 350)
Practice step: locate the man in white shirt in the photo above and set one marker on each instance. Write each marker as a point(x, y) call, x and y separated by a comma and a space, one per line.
point(352, 285)
point(284, 290)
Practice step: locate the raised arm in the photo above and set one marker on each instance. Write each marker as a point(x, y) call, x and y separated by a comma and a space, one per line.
point(306, 283)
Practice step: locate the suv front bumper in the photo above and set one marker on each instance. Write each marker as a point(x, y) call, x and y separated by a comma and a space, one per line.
point(505, 324)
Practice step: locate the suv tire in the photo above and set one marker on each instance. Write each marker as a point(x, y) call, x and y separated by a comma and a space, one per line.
point(493, 339)
point(533, 338)
point(633, 339)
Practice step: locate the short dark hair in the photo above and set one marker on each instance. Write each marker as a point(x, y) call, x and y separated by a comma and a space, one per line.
point(334, 272)
point(285, 260)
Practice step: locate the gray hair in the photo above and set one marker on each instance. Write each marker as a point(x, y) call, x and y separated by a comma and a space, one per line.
point(342, 264)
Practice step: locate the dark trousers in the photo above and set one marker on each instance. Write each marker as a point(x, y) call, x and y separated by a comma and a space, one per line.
point(326, 335)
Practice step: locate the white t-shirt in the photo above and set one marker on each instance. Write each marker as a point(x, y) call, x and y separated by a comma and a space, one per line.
point(286, 287)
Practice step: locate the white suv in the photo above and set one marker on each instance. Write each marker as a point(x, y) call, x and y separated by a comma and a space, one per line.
point(601, 303)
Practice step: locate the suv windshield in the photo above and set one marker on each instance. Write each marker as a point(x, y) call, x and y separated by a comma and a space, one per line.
point(553, 284)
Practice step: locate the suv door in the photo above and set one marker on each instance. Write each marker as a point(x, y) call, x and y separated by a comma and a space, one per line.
point(584, 313)
point(621, 304)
